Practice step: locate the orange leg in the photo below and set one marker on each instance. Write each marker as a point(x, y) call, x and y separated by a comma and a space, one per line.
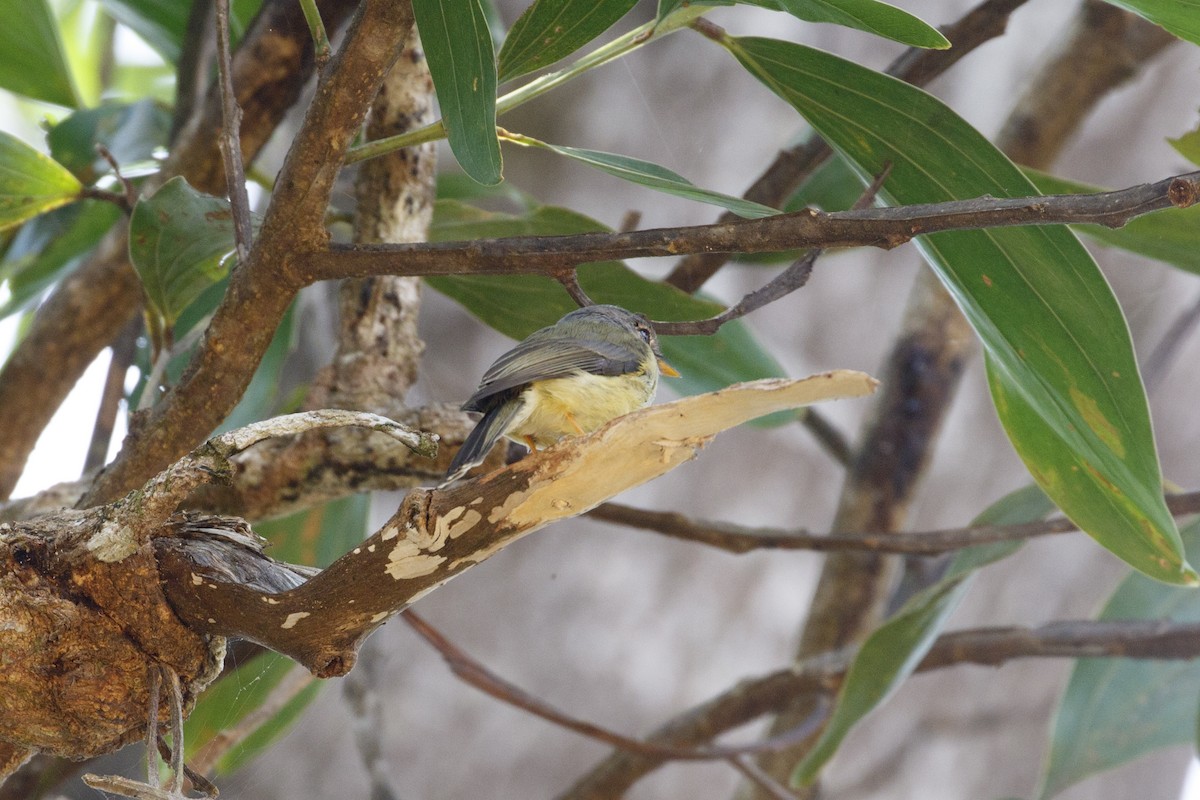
point(529, 442)
point(574, 424)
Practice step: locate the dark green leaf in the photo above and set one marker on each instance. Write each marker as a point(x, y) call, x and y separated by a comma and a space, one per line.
point(132, 133)
point(892, 652)
point(234, 697)
point(32, 61)
point(30, 183)
point(651, 176)
point(49, 245)
point(462, 62)
point(553, 29)
point(518, 305)
point(1061, 363)
point(178, 242)
point(1116, 709)
point(1180, 17)
point(871, 16)
point(1171, 235)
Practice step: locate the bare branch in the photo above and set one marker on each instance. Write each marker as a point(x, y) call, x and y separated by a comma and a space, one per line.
point(477, 675)
point(738, 539)
point(230, 139)
point(876, 227)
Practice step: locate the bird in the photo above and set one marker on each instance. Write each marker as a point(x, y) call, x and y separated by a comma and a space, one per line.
point(595, 364)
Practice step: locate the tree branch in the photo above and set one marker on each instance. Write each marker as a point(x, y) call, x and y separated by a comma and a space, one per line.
point(437, 534)
point(737, 539)
point(93, 304)
point(876, 227)
point(917, 66)
point(261, 289)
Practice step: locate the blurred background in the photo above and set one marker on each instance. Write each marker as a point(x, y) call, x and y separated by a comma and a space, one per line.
point(628, 629)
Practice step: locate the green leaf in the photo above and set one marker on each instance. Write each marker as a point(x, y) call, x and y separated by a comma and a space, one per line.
point(131, 132)
point(520, 304)
point(30, 183)
point(1180, 17)
point(871, 16)
point(1061, 363)
point(178, 242)
point(161, 23)
point(1171, 235)
point(1188, 145)
point(32, 60)
point(48, 245)
point(318, 536)
point(552, 29)
point(462, 62)
point(235, 696)
point(651, 176)
point(1117, 709)
point(893, 651)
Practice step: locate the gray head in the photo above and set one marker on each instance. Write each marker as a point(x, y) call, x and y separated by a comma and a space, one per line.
point(601, 317)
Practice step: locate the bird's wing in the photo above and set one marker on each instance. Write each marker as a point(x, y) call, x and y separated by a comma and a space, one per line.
point(539, 359)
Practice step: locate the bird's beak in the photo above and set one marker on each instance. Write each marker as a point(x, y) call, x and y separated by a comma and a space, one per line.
point(667, 369)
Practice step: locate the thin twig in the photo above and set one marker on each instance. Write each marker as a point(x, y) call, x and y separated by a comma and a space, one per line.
point(737, 539)
point(570, 281)
point(176, 698)
point(478, 676)
point(289, 687)
point(230, 139)
point(321, 48)
point(124, 348)
point(1168, 347)
point(131, 194)
point(757, 775)
point(152, 725)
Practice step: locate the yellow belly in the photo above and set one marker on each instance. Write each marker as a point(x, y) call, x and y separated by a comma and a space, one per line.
point(577, 404)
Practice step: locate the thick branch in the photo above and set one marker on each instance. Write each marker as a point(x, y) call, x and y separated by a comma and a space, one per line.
point(93, 304)
point(437, 534)
point(261, 289)
point(875, 227)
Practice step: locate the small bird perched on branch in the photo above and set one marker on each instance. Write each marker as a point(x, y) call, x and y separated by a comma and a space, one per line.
point(593, 365)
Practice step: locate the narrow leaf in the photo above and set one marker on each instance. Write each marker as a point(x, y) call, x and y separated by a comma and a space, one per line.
point(1180, 17)
point(518, 305)
point(233, 698)
point(1117, 709)
point(891, 653)
point(553, 29)
point(178, 242)
point(30, 183)
point(871, 16)
point(1061, 363)
point(1188, 145)
point(32, 60)
point(652, 176)
point(462, 62)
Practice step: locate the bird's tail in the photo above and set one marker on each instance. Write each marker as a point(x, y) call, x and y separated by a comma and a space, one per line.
point(490, 428)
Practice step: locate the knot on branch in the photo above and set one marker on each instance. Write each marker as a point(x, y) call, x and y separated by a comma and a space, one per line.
point(1183, 192)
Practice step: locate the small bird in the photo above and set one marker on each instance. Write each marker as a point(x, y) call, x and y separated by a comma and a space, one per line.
point(593, 365)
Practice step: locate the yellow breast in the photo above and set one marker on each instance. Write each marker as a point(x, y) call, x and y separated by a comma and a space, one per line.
point(579, 403)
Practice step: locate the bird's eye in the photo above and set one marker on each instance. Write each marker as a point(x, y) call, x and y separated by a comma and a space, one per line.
point(644, 332)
